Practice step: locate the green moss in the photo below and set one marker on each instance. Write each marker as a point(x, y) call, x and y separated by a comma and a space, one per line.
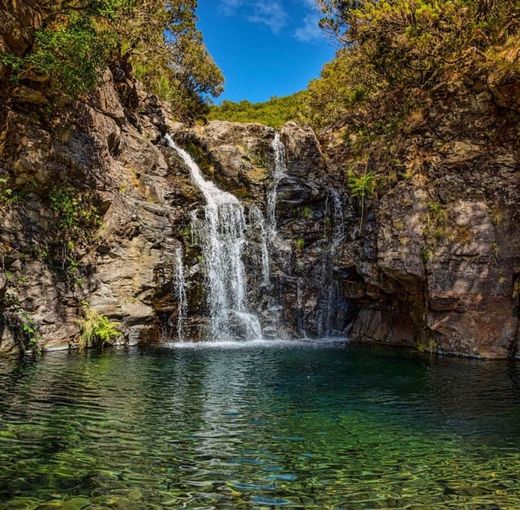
point(299, 243)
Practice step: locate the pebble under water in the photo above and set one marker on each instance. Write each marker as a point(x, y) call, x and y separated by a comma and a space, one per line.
point(262, 425)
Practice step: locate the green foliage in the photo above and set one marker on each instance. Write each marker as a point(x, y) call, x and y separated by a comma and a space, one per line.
point(306, 212)
point(77, 218)
point(22, 320)
point(29, 329)
point(397, 51)
point(72, 55)
point(97, 331)
point(362, 186)
point(426, 254)
point(76, 214)
point(80, 38)
point(345, 85)
point(437, 220)
point(275, 112)
point(299, 243)
point(7, 194)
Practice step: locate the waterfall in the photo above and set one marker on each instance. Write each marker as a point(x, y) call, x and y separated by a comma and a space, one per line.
point(338, 218)
point(335, 211)
point(280, 171)
point(180, 293)
point(222, 236)
point(258, 231)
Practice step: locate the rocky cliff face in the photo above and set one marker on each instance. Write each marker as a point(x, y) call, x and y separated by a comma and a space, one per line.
point(437, 263)
point(95, 206)
point(304, 295)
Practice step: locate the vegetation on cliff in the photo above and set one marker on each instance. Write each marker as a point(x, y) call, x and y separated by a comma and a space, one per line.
point(275, 112)
point(78, 39)
point(395, 54)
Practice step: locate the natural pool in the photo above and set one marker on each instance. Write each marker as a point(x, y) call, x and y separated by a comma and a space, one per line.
point(317, 425)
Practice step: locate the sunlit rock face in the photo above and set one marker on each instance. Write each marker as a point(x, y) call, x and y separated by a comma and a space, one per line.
point(437, 262)
point(432, 262)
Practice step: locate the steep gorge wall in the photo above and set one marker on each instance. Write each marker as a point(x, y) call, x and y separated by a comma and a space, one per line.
point(434, 262)
point(106, 157)
point(437, 263)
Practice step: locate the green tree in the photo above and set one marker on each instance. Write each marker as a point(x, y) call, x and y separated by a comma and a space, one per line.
point(395, 52)
point(275, 112)
point(78, 39)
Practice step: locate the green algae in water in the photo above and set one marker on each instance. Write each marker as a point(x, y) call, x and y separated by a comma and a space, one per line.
point(317, 426)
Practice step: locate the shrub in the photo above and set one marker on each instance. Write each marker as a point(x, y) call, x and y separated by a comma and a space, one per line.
point(275, 112)
point(97, 331)
point(362, 186)
point(397, 52)
point(72, 55)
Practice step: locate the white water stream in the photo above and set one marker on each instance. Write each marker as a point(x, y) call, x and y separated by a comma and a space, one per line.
point(180, 293)
point(222, 236)
point(280, 171)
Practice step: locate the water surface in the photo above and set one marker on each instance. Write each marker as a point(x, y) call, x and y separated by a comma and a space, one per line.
point(259, 425)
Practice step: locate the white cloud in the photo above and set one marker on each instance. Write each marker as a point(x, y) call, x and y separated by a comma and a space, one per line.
point(269, 13)
point(310, 29)
point(229, 7)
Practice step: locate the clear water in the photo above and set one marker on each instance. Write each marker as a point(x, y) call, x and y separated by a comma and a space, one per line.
point(258, 425)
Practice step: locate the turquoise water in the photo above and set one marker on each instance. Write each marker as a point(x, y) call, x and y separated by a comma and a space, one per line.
point(319, 425)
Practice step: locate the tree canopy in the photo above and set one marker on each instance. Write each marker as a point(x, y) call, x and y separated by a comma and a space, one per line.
point(78, 39)
point(275, 112)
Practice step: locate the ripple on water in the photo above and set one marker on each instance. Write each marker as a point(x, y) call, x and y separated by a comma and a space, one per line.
point(259, 424)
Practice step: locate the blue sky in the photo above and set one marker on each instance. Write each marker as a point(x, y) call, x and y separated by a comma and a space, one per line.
point(265, 48)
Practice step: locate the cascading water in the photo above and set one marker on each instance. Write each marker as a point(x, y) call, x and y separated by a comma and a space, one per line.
point(280, 171)
point(180, 293)
point(258, 231)
point(330, 296)
point(222, 236)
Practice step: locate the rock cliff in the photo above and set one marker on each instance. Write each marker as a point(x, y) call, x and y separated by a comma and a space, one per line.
point(95, 206)
point(436, 264)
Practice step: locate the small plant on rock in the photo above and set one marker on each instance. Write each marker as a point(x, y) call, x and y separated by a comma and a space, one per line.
point(306, 213)
point(299, 243)
point(7, 195)
point(77, 219)
point(437, 220)
point(362, 187)
point(97, 331)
